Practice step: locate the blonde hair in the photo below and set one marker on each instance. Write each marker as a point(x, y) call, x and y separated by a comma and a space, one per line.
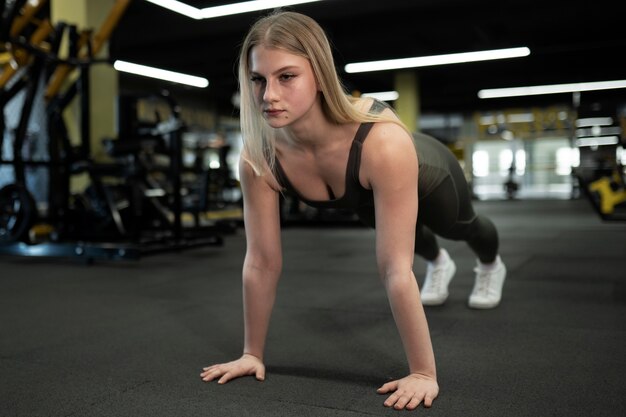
point(300, 35)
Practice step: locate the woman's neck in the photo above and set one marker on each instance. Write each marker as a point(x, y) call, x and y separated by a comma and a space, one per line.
point(315, 132)
point(317, 138)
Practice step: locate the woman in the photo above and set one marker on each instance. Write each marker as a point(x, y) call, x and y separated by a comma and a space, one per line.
point(300, 132)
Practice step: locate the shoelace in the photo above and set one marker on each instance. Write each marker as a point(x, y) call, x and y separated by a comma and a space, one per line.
point(436, 280)
point(483, 279)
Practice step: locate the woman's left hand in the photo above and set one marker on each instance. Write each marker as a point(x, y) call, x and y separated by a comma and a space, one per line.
point(410, 391)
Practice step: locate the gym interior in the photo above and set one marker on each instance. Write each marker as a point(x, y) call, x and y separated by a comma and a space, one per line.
point(121, 213)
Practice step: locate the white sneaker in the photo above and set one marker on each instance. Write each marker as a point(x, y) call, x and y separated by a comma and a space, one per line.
point(487, 291)
point(438, 276)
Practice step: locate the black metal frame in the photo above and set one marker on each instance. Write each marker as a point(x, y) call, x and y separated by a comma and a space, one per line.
point(66, 161)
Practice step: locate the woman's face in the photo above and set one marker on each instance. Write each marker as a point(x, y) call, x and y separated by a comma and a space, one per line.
point(284, 85)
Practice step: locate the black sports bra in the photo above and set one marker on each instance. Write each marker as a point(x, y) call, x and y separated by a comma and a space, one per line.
point(355, 195)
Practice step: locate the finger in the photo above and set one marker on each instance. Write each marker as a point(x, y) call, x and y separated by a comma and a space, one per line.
point(209, 377)
point(388, 387)
point(225, 378)
point(260, 375)
point(206, 371)
point(210, 369)
point(402, 402)
point(392, 399)
point(212, 374)
point(414, 403)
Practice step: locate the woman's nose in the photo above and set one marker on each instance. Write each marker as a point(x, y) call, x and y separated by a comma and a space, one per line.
point(271, 91)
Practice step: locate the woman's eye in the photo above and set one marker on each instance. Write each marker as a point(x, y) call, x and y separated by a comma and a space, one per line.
point(256, 80)
point(286, 77)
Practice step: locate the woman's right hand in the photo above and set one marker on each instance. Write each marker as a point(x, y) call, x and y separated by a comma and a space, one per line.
point(246, 365)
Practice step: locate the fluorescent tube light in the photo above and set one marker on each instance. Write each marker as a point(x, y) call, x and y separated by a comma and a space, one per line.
point(426, 61)
point(597, 141)
point(161, 74)
point(247, 6)
point(383, 95)
point(551, 89)
point(594, 121)
point(178, 7)
point(226, 9)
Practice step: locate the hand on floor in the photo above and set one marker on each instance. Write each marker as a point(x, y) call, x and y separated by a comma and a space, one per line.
point(246, 365)
point(410, 391)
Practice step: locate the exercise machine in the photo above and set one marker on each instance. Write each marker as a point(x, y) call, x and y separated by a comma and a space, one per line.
point(131, 207)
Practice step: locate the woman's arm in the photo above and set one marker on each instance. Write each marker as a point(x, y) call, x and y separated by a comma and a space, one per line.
point(261, 271)
point(390, 168)
point(263, 262)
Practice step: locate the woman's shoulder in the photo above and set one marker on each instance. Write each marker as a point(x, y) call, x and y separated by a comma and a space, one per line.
point(389, 134)
point(388, 151)
point(257, 175)
point(387, 143)
point(387, 128)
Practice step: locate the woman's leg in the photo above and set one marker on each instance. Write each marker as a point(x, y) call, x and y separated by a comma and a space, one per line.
point(426, 243)
point(448, 212)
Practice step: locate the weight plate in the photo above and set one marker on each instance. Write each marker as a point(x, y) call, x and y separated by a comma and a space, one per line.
point(18, 212)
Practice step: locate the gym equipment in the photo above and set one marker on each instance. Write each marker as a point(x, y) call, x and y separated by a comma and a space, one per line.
point(18, 210)
point(18, 213)
point(600, 173)
point(88, 47)
point(607, 194)
point(131, 207)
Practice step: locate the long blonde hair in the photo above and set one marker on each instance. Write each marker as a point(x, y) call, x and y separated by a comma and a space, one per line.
point(300, 35)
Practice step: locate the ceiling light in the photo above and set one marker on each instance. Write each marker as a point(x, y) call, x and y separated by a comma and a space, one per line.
point(161, 74)
point(551, 89)
point(594, 121)
point(226, 9)
point(426, 61)
point(178, 7)
point(247, 6)
point(597, 141)
point(383, 95)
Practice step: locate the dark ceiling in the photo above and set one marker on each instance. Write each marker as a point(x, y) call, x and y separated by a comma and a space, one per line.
point(571, 41)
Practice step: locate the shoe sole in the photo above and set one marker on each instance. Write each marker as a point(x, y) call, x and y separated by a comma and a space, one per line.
point(483, 306)
point(434, 303)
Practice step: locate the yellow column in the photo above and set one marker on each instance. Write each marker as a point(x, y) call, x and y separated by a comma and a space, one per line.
point(103, 84)
point(407, 106)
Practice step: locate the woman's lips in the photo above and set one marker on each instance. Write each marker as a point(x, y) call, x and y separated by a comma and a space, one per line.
point(273, 112)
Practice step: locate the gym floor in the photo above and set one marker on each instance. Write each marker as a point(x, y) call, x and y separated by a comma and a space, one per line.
point(129, 338)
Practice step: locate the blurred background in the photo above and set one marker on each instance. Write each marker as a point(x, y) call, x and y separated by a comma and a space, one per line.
point(527, 138)
point(72, 98)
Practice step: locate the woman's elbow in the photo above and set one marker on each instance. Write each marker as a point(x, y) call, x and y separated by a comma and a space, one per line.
point(395, 275)
point(262, 265)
